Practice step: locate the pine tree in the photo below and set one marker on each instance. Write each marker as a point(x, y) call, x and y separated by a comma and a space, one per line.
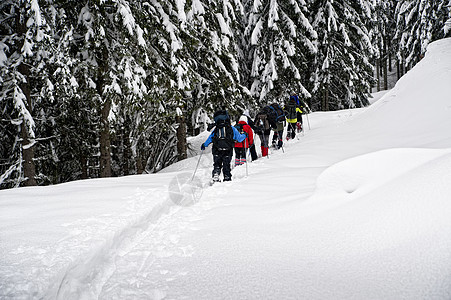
point(343, 74)
point(383, 30)
point(281, 39)
point(110, 46)
point(212, 28)
point(447, 26)
point(24, 52)
point(419, 22)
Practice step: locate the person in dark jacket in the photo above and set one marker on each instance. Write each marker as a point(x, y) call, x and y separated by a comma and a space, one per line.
point(303, 109)
point(263, 124)
point(294, 115)
point(223, 138)
point(250, 122)
point(278, 134)
point(241, 147)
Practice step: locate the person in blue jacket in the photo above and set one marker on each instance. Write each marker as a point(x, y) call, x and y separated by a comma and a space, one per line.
point(223, 138)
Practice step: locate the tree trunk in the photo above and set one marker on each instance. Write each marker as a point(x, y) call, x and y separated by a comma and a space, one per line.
point(385, 74)
point(84, 167)
point(29, 167)
point(390, 67)
point(139, 164)
point(181, 138)
point(325, 98)
point(378, 75)
point(105, 143)
point(127, 151)
point(384, 64)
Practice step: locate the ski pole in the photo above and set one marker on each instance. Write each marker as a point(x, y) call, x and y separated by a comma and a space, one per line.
point(308, 110)
point(245, 156)
point(195, 170)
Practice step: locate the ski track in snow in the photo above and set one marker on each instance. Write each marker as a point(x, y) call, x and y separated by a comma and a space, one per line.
point(143, 244)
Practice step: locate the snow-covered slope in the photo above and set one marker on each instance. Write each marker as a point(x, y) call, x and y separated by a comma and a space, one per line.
point(357, 208)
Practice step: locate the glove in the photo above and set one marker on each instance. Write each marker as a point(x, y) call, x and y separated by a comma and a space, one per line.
point(210, 126)
point(202, 147)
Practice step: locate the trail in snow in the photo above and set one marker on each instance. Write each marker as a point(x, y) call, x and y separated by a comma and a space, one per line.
point(147, 244)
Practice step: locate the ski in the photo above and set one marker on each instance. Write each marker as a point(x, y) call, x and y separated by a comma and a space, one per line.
point(212, 182)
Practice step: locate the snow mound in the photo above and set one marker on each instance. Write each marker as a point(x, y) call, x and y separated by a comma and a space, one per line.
point(360, 175)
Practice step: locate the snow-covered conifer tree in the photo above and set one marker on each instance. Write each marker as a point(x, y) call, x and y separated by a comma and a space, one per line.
point(213, 28)
point(281, 40)
point(382, 32)
point(419, 22)
point(110, 46)
point(447, 26)
point(24, 51)
point(343, 75)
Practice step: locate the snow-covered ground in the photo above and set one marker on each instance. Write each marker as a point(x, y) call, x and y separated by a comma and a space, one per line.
point(358, 208)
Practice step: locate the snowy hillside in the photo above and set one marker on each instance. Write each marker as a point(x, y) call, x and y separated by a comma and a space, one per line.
point(358, 208)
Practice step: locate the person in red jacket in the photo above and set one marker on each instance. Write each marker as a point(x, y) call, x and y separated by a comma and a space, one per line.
point(241, 147)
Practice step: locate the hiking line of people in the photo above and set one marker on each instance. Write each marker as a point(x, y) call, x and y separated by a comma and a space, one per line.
point(226, 138)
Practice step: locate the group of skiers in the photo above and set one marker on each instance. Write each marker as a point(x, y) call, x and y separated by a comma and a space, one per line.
point(240, 137)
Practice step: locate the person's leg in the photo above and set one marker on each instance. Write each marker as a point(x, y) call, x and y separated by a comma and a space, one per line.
point(288, 131)
point(275, 138)
point(264, 138)
point(217, 165)
point(226, 159)
point(253, 152)
point(278, 140)
point(243, 156)
point(237, 156)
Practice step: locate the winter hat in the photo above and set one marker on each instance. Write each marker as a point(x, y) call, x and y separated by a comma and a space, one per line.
point(243, 118)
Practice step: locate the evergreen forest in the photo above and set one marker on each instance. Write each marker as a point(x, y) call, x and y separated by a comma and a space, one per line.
point(102, 88)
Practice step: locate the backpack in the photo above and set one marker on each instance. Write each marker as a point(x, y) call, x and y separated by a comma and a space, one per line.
point(262, 121)
point(291, 110)
point(279, 113)
point(295, 99)
point(270, 113)
point(223, 133)
point(221, 116)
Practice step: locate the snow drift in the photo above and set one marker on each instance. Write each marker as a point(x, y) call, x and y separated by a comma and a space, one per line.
point(357, 208)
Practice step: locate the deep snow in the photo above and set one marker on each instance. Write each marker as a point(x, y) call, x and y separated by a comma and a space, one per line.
point(358, 208)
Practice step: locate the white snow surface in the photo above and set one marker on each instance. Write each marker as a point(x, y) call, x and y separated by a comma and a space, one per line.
point(359, 207)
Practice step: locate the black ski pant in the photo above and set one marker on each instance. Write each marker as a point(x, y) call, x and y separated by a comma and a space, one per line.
point(264, 138)
point(240, 153)
point(291, 130)
point(253, 151)
point(221, 161)
point(277, 139)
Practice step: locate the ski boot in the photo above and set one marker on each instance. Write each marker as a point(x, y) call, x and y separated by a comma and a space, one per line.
point(214, 179)
point(299, 127)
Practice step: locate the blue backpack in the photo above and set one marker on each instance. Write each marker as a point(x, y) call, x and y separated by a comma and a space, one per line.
point(223, 134)
point(296, 99)
point(278, 112)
